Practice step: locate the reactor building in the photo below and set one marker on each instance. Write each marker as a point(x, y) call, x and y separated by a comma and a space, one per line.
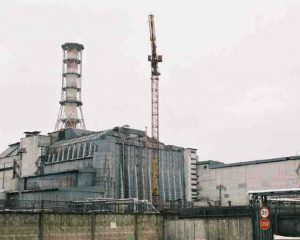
point(73, 163)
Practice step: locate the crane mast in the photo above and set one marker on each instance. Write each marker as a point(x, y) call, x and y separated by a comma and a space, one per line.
point(154, 59)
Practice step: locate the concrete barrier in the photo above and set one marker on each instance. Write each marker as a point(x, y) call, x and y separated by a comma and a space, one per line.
point(209, 229)
point(15, 226)
point(64, 226)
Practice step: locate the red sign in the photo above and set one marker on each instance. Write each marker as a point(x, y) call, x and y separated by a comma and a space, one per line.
point(264, 224)
point(264, 212)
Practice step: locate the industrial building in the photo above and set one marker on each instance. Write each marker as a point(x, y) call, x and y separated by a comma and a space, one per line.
point(229, 184)
point(73, 163)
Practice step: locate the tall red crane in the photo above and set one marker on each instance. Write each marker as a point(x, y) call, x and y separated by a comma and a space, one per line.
point(154, 59)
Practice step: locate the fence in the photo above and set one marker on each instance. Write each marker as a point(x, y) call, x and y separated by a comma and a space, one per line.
point(101, 205)
point(213, 212)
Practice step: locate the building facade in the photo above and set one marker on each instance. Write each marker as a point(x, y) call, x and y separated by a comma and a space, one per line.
point(190, 173)
point(75, 164)
point(228, 184)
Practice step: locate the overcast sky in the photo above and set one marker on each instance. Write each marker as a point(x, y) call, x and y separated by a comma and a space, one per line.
point(230, 78)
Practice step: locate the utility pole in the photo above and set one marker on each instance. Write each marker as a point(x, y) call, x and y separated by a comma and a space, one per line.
point(154, 59)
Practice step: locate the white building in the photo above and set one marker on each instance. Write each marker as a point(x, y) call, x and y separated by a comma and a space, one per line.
point(190, 173)
point(7, 159)
point(219, 182)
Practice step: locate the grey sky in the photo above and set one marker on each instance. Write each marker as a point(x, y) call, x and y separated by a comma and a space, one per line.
point(230, 78)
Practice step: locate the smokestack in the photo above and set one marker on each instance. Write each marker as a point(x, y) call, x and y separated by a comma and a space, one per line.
point(70, 112)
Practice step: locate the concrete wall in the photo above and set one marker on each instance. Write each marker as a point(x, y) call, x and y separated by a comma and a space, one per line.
point(6, 167)
point(67, 226)
point(238, 180)
point(209, 229)
point(6, 182)
point(48, 226)
point(32, 146)
point(23, 226)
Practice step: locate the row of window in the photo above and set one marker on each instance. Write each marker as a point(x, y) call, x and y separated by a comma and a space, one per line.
point(72, 152)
